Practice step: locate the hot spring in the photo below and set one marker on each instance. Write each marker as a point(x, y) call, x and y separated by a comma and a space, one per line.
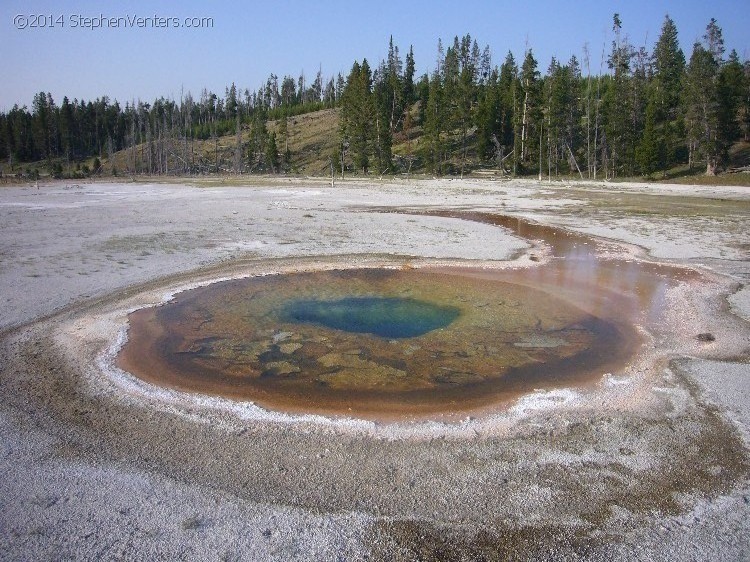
point(402, 342)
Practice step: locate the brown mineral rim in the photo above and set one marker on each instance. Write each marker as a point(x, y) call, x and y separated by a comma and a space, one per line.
point(564, 323)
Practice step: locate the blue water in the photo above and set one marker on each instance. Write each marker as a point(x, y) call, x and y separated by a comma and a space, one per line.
point(386, 317)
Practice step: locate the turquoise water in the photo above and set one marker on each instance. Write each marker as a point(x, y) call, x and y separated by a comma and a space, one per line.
point(387, 317)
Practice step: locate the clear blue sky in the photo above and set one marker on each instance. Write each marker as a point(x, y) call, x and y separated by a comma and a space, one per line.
point(250, 40)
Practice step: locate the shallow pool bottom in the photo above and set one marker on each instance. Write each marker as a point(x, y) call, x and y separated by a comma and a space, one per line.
point(374, 342)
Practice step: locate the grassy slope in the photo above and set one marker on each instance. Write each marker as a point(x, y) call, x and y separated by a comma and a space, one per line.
point(313, 138)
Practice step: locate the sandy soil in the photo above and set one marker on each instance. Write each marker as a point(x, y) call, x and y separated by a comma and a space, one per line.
point(651, 463)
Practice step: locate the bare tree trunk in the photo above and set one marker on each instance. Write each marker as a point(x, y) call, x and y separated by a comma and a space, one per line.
point(131, 159)
point(614, 161)
point(216, 144)
point(158, 156)
point(393, 113)
point(463, 158)
point(238, 146)
point(549, 164)
point(343, 150)
point(286, 134)
point(549, 144)
point(523, 126)
point(588, 112)
point(541, 137)
point(598, 103)
point(711, 165)
point(167, 144)
point(515, 139)
point(407, 132)
point(147, 146)
point(574, 161)
point(377, 137)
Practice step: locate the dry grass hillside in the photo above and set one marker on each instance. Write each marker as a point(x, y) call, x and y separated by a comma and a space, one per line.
point(313, 137)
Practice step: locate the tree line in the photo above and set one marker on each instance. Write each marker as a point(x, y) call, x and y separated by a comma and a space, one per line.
point(646, 113)
point(160, 138)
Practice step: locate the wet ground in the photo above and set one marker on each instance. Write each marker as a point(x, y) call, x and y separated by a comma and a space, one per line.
point(649, 461)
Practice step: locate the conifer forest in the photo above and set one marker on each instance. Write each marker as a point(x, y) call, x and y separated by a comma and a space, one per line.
point(622, 112)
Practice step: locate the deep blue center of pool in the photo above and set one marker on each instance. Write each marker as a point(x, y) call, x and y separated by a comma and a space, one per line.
point(387, 317)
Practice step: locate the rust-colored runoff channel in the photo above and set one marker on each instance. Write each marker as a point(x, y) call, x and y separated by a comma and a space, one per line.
point(386, 344)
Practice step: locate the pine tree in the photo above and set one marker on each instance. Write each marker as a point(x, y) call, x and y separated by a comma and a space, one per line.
point(730, 90)
point(659, 143)
point(288, 91)
point(394, 85)
point(384, 99)
point(66, 128)
point(574, 114)
point(3, 138)
point(531, 109)
point(423, 91)
point(554, 110)
point(702, 101)
point(651, 152)
point(41, 124)
point(340, 86)
point(488, 118)
point(639, 98)
point(316, 90)
point(409, 89)
point(358, 114)
point(283, 125)
point(618, 105)
point(256, 147)
point(562, 115)
point(329, 94)
point(714, 41)
point(231, 105)
point(237, 164)
point(450, 80)
point(508, 91)
point(434, 122)
point(745, 105)
point(272, 154)
point(465, 93)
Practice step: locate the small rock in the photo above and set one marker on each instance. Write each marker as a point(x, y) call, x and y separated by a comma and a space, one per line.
point(289, 348)
point(193, 523)
point(281, 336)
point(706, 337)
point(283, 368)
